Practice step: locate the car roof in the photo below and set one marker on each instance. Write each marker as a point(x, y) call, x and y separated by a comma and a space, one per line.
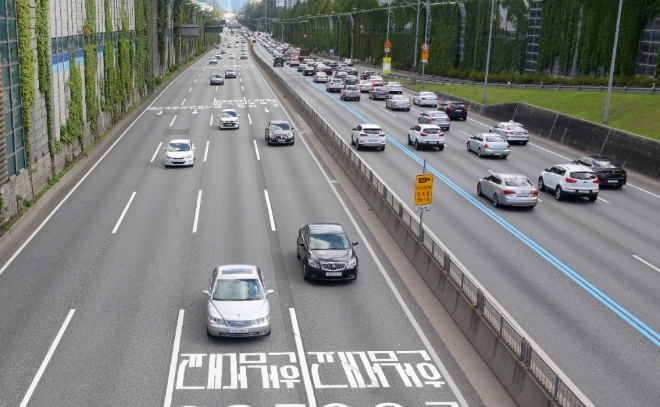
point(369, 126)
point(511, 123)
point(575, 167)
point(233, 271)
point(180, 141)
point(318, 228)
point(501, 175)
point(434, 126)
point(228, 110)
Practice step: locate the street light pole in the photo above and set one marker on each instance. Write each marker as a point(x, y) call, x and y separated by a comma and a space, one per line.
point(490, 36)
point(416, 37)
point(609, 85)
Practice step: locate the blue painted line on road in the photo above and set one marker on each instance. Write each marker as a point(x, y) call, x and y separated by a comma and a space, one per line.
point(635, 322)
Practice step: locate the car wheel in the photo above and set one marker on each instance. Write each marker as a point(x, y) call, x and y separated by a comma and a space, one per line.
point(382, 148)
point(479, 190)
point(490, 131)
point(208, 332)
point(479, 152)
point(269, 331)
point(593, 198)
point(496, 202)
point(442, 147)
point(408, 109)
point(541, 184)
point(468, 146)
point(417, 146)
point(305, 273)
point(524, 143)
point(559, 194)
point(409, 142)
point(504, 157)
point(352, 141)
point(293, 142)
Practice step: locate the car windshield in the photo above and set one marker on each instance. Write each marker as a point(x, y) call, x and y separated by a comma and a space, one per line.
point(437, 114)
point(217, 76)
point(583, 175)
point(173, 147)
point(606, 164)
point(517, 182)
point(493, 139)
point(238, 290)
point(328, 241)
point(432, 130)
point(228, 115)
point(279, 127)
point(229, 71)
point(372, 131)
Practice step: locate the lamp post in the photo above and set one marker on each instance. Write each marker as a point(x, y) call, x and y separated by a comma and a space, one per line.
point(416, 36)
point(609, 84)
point(490, 36)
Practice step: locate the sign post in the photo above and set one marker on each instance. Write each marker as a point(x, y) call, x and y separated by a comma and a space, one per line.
point(423, 197)
point(425, 59)
point(387, 61)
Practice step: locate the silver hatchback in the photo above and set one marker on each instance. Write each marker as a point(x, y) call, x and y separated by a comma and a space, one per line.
point(508, 190)
point(237, 302)
point(487, 144)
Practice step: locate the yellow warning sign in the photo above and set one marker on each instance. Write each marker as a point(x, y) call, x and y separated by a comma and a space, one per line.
point(425, 56)
point(423, 189)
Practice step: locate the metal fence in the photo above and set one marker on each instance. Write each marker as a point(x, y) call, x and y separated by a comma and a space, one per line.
point(531, 358)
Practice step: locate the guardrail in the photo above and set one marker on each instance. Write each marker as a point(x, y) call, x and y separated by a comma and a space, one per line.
point(563, 393)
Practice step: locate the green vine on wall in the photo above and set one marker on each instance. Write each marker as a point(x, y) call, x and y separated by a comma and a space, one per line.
point(45, 69)
point(91, 61)
point(74, 128)
point(26, 60)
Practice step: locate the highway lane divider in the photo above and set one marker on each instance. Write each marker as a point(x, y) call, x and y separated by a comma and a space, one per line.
point(527, 373)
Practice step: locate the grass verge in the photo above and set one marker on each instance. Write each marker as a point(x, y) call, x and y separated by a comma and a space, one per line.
point(629, 112)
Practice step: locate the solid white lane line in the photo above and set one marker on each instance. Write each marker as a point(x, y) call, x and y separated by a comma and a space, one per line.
point(256, 149)
point(311, 399)
point(469, 135)
point(175, 358)
point(244, 100)
point(190, 90)
point(173, 119)
point(388, 280)
point(206, 152)
point(156, 153)
point(490, 171)
point(51, 351)
point(249, 119)
point(603, 200)
point(647, 263)
point(184, 101)
point(199, 202)
point(270, 211)
point(29, 239)
point(385, 110)
point(551, 152)
point(643, 190)
point(476, 121)
point(211, 122)
point(124, 213)
point(419, 111)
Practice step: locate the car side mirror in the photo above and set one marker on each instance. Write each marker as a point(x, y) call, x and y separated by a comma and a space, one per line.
point(546, 170)
point(301, 243)
point(269, 292)
point(412, 128)
point(206, 293)
point(355, 243)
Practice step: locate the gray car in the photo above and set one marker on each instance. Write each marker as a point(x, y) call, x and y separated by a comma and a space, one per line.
point(279, 132)
point(435, 117)
point(487, 144)
point(217, 79)
point(511, 131)
point(400, 102)
point(508, 190)
point(350, 92)
point(378, 92)
point(237, 304)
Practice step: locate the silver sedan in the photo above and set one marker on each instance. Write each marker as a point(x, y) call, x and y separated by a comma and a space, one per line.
point(508, 190)
point(435, 117)
point(489, 144)
point(511, 131)
point(397, 102)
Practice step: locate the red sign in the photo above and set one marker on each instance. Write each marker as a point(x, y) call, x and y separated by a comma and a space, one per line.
point(387, 50)
point(425, 47)
point(388, 44)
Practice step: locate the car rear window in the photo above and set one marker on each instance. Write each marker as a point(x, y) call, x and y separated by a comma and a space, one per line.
point(517, 182)
point(437, 114)
point(432, 131)
point(400, 97)
point(583, 175)
point(372, 131)
point(458, 105)
point(493, 139)
point(352, 88)
point(606, 164)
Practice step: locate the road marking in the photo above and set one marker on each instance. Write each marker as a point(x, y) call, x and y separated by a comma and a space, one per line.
point(216, 88)
point(211, 121)
point(270, 211)
point(240, 80)
point(242, 87)
point(189, 90)
point(603, 200)
point(123, 213)
point(490, 171)
point(551, 152)
point(244, 100)
point(206, 152)
point(199, 202)
point(43, 223)
point(442, 403)
point(385, 110)
point(647, 263)
point(540, 200)
point(156, 153)
point(175, 356)
point(477, 121)
point(249, 119)
point(643, 190)
point(256, 149)
point(302, 358)
point(465, 133)
point(173, 119)
point(195, 81)
point(419, 111)
point(184, 101)
point(51, 351)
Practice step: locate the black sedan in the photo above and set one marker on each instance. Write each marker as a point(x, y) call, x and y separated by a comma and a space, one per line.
point(326, 252)
point(608, 171)
point(455, 110)
point(378, 92)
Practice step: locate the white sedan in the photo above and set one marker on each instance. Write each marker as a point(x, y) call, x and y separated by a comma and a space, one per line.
point(394, 87)
point(320, 77)
point(179, 153)
point(425, 99)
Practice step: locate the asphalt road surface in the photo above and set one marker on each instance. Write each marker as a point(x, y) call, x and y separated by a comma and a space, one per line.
point(581, 278)
point(104, 306)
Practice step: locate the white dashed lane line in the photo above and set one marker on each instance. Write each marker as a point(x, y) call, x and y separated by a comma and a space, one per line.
point(249, 119)
point(199, 202)
point(211, 122)
point(647, 263)
point(643, 190)
point(270, 211)
point(206, 152)
point(603, 200)
point(123, 213)
point(256, 150)
point(156, 153)
point(551, 152)
point(184, 101)
point(190, 90)
point(384, 110)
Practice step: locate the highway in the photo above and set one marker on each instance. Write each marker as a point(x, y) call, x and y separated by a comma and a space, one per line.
point(581, 278)
point(102, 302)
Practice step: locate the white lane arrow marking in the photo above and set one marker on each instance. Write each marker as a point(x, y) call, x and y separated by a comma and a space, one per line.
point(195, 112)
point(266, 110)
point(160, 112)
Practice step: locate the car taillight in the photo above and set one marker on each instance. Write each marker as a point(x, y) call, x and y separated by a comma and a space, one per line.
point(423, 134)
point(432, 119)
point(450, 108)
point(363, 134)
point(508, 132)
point(596, 181)
point(382, 134)
point(508, 146)
point(534, 192)
point(509, 192)
point(448, 119)
point(423, 98)
point(486, 146)
point(571, 180)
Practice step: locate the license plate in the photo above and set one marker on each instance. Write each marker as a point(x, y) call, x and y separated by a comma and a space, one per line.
point(238, 331)
point(459, 110)
point(333, 274)
point(433, 142)
point(613, 181)
point(373, 140)
point(583, 191)
point(523, 195)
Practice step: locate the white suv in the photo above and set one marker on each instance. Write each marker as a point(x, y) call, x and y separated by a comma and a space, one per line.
point(426, 135)
point(368, 135)
point(570, 180)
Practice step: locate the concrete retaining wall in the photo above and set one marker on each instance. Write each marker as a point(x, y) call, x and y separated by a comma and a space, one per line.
point(634, 152)
point(523, 387)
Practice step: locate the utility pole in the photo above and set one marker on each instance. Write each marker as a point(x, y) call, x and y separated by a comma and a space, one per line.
point(609, 85)
point(490, 36)
point(389, 10)
point(416, 37)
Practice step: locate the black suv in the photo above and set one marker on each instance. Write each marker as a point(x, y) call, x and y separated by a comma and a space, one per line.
point(278, 61)
point(455, 110)
point(326, 252)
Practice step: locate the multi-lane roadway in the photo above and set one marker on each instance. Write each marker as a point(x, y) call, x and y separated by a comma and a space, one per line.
point(581, 278)
point(102, 303)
